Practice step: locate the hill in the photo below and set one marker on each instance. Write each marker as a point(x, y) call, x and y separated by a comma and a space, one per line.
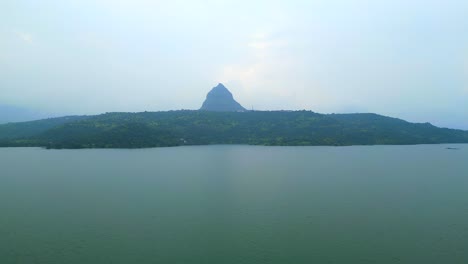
point(9, 113)
point(221, 99)
point(32, 128)
point(175, 128)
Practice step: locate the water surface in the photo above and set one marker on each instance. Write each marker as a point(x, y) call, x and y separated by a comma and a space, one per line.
point(235, 204)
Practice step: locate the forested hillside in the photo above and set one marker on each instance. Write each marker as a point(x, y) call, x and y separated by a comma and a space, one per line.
point(175, 128)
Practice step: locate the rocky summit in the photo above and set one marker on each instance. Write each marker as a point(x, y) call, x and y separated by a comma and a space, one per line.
point(220, 99)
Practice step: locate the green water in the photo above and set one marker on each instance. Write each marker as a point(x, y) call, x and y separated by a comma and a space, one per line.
point(235, 204)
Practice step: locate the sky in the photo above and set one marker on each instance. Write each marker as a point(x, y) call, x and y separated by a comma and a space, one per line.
point(400, 58)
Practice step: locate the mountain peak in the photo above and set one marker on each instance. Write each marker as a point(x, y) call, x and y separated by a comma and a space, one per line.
point(221, 99)
point(220, 89)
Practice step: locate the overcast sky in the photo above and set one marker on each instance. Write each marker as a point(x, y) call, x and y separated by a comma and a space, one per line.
point(402, 58)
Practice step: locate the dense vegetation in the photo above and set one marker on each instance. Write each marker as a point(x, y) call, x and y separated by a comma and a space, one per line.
point(174, 128)
point(31, 128)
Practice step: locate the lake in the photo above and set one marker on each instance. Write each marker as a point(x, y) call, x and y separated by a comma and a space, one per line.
point(235, 204)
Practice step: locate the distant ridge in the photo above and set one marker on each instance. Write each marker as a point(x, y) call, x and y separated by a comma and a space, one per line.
point(10, 113)
point(220, 99)
point(177, 128)
point(222, 120)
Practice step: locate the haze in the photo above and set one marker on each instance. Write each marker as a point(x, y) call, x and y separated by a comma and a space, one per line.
point(406, 59)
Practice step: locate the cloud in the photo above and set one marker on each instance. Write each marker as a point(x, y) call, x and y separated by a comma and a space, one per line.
point(259, 44)
point(256, 62)
point(272, 76)
point(24, 36)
